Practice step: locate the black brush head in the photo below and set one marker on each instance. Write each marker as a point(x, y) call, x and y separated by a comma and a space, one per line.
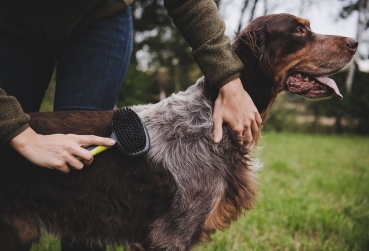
point(130, 133)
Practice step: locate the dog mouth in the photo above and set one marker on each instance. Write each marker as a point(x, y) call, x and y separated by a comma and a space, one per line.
point(313, 87)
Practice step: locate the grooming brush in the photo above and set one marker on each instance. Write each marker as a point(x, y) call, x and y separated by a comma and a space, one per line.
point(129, 132)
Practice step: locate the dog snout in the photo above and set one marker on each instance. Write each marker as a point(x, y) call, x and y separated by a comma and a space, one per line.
point(352, 44)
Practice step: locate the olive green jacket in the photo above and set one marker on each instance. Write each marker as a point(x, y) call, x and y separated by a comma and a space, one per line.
point(12, 118)
point(197, 20)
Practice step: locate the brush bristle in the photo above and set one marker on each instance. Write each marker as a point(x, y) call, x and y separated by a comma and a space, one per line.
point(130, 131)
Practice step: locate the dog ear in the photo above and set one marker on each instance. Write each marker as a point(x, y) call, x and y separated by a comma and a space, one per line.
point(254, 43)
point(252, 47)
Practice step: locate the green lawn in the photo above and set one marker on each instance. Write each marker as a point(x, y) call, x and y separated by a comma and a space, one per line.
point(313, 195)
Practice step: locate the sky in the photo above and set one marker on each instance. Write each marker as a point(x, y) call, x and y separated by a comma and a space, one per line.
point(323, 16)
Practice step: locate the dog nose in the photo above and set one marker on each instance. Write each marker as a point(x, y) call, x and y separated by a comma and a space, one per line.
point(352, 43)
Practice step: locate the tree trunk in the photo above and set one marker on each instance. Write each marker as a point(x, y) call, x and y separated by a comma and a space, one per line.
point(363, 18)
point(243, 10)
point(253, 10)
point(338, 125)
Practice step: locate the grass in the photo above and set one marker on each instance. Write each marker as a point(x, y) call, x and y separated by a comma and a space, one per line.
point(313, 195)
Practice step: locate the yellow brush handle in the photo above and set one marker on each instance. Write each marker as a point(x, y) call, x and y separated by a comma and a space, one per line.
point(94, 149)
point(99, 149)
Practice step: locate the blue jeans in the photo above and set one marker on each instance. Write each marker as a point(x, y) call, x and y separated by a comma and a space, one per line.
point(90, 66)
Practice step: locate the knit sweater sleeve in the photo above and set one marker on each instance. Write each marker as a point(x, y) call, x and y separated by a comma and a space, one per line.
point(202, 27)
point(13, 120)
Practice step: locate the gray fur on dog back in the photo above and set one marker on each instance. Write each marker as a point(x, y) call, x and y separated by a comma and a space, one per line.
point(181, 132)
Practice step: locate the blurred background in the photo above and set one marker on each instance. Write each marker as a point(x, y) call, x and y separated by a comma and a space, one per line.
point(314, 185)
point(162, 64)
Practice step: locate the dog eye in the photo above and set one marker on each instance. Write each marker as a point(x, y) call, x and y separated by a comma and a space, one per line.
point(299, 30)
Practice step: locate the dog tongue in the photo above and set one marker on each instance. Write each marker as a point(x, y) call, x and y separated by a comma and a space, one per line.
point(330, 82)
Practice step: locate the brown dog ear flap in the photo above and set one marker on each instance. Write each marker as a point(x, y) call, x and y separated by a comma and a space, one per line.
point(249, 38)
point(263, 42)
point(264, 58)
point(256, 42)
point(252, 47)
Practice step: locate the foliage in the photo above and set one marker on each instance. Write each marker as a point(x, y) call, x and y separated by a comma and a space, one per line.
point(161, 57)
point(313, 195)
point(139, 87)
point(162, 62)
point(353, 6)
point(352, 113)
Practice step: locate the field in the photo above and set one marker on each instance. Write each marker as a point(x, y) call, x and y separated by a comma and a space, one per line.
point(313, 195)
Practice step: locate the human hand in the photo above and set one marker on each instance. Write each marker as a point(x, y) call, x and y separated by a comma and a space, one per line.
point(57, 151)
point(235, 107)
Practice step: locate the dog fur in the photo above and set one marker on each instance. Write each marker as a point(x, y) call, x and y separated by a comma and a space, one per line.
point(187, 187)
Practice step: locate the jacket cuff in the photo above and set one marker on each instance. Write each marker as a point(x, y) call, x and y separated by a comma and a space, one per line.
point(225, 81)
point(15, 133)
point(218, 64)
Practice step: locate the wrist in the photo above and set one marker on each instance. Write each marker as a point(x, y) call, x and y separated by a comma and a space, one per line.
point(233, 87)
point(20, 141)
point(227, 80)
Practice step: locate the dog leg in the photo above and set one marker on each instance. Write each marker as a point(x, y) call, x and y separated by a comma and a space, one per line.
point(181, 228)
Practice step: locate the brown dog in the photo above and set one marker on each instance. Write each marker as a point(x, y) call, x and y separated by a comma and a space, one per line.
point(187, 187)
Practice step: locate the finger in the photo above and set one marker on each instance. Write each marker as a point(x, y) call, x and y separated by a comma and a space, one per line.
point(83, 154)
point(218, 130)
point(59, 164)
point(254, 127)
point(240, 138)
point(87, 140)
point(64, 168)
point(248, 134)
point(258, 119)
point(238, 129)
point(87, 162)
point(74, 163)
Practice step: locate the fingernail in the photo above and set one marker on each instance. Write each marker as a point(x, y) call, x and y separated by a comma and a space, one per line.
point(216, 139)
point(111, 141)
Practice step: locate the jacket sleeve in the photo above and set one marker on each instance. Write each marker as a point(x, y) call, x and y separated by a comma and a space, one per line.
point(13, 120)
point(202, 27)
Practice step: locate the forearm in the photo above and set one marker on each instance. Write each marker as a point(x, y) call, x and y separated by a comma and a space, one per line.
point(202, 27)
point(13, 120)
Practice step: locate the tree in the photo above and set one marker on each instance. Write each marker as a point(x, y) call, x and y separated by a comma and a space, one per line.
point(161, 57)
point(362, 7)
point(352, 113)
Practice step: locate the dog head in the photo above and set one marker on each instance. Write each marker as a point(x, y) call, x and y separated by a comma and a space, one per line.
point(281, 53)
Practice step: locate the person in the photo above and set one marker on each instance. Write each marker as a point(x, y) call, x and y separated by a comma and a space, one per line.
point(91, 42)
point(56, 151)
